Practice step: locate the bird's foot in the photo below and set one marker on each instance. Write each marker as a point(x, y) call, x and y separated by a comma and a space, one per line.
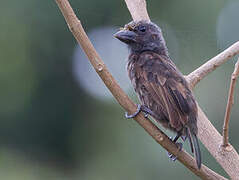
point(142, 108)
point(171, 156)
point(134, 114)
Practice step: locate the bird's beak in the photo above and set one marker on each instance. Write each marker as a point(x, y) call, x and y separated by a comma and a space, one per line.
point(126, 36)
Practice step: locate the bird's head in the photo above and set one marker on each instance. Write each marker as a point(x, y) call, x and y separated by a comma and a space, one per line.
point(142, 36)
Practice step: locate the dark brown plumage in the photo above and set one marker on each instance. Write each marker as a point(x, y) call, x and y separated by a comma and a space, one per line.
point(160, 86)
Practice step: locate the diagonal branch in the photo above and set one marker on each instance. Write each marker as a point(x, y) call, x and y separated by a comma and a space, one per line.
point(230, 102)
point(201, 72)
point(80, 35)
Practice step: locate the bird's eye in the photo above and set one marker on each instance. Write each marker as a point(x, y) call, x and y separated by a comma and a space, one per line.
point(142, 28)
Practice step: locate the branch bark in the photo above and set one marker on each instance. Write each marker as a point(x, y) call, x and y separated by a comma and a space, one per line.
point(205, 173)
point(230, 102)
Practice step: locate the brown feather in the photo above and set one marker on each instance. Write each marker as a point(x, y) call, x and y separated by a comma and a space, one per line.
point(162, 88)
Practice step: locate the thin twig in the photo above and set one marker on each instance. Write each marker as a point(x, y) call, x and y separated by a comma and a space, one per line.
point(201, 72)
point(80, 35)
point(230, 102)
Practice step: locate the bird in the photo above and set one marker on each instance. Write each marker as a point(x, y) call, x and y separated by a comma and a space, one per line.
point(162, 89)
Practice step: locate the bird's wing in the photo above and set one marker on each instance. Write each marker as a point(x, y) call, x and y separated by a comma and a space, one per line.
point(167, 87)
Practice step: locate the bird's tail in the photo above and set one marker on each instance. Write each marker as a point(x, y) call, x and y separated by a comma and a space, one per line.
point(195, 146)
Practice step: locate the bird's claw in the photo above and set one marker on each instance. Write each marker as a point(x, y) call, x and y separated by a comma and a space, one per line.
point(171, 156)
point(134, 114)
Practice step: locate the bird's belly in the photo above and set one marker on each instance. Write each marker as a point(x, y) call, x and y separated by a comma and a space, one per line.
point(146, 98)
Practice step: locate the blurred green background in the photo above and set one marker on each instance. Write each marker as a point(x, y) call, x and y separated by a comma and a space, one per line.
point(57, 121)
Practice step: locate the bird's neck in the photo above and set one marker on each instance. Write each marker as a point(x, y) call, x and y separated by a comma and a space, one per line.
point(158, 46)
point(159, 49)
